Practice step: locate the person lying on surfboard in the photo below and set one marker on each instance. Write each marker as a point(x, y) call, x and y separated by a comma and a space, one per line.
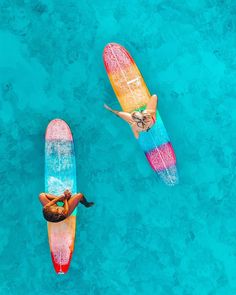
point(54, 213)
point(139, 120)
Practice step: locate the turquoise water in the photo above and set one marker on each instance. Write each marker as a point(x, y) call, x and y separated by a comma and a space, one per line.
point(142, 237)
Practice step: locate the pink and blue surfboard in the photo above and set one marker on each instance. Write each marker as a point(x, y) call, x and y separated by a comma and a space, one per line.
point(60, 174)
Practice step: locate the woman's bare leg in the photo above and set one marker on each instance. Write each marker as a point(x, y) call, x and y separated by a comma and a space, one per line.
point(126, 117)
point(123, 115)
point(84, 202)
point(74, 201)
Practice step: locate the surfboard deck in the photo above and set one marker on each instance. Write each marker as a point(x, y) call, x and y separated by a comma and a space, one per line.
point(60, 174)
point(133, 94)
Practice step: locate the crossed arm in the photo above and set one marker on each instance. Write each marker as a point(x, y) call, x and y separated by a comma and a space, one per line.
point(48, 200)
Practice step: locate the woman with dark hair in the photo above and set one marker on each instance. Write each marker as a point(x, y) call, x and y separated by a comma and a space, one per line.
point(54, 213)
point(139, 120)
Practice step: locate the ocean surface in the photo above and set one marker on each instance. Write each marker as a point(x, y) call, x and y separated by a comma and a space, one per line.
point(141, 237)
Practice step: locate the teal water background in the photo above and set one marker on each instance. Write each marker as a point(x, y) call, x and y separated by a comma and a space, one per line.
point(142, 237)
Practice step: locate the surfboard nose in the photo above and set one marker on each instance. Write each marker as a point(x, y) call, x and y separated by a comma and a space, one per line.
point(58, 130)
point(116, 57)
point(110, 46)
point(108, 50)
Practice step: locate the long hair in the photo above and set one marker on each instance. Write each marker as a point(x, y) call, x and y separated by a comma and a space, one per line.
point(51, 216)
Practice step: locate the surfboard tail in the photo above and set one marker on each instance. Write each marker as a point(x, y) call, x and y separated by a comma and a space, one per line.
point(61, 240)
point(159, 152)
point(163, 162)
point(58, 266)
point(169, 176)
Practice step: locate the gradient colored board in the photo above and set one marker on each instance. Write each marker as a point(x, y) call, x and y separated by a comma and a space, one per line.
point(133, 94)
point(60, 174)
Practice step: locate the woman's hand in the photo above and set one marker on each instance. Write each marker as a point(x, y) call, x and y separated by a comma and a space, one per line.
point(61, 198)
point(67, 194)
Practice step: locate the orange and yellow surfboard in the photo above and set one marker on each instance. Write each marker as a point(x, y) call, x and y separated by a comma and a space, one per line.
point(133, 94)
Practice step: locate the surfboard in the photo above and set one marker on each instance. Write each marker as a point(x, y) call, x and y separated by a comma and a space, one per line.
point(60, 174)
point(133, 94)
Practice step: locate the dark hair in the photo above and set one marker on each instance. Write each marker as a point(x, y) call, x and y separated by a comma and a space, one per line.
point(141, 121)
point(51, 216)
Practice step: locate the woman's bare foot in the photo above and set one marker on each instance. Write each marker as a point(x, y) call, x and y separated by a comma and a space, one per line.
point(107, 107)
point(86, 203)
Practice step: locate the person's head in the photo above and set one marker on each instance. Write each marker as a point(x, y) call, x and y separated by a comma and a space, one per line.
point(142, 118)
point(54, 214)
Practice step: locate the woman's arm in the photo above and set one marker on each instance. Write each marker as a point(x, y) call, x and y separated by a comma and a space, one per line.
point(54, 201)
point(50, 196)
point(46, 198)
point(152, 106)
point(66, 207)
